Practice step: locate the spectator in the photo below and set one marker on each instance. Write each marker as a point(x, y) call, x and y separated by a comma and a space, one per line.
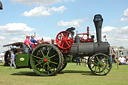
point(113, 58)
point(78, 61)
point(113, 55)
point(12, 60)
point(122, 60)
point(121, 53)
point(127, 60)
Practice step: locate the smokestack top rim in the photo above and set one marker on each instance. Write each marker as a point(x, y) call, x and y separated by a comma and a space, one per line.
point(97, 18)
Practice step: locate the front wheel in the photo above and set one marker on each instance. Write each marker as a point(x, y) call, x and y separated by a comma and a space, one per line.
point(46, 60)
point(63, 67)
point(100, 64)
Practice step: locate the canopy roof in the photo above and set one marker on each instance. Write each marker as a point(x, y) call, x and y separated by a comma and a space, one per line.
point(14, 44)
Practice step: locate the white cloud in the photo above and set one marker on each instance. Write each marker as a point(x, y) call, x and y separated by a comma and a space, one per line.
point(15, 29)
point(36, 12)
point(43, 11)
point(123, 30)
point(69, 0)
point(73, 23)
point(116, 36)
point(108, 29)
point(8, 40)
point(124, 19)
point(17, 39)
point(2, 38)
point(126, 13)
point(59, 9)
point(44, 2)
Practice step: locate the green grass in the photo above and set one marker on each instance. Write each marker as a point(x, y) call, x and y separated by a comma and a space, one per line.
point(71, 75)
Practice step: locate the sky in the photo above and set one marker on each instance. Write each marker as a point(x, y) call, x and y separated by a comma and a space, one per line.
point(47, 18)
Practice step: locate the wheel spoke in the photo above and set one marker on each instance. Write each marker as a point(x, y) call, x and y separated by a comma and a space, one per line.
point(43, 67)
point(53, 56)
point(107, 66)
point(59, 40)
point(97, 68)
point(69, 39)
point(42, 52)
point(95, 64)
point(62, 36)
point(67, 44)
point(36, 57)
point(53, 62)
point(48, 51)
point(50, 68)
point(103, 69)
point(97, 59)
point(38, 63)
point(67, 35)
point(62, 44)
point(35, 60)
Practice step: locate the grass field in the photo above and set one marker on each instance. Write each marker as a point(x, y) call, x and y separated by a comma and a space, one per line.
point(71, 75)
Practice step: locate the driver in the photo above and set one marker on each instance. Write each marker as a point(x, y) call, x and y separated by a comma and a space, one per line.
point(33, 41)
point(27, 44)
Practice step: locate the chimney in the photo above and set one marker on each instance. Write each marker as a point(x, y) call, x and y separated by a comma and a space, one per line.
point(1, 7)
point(98, 25)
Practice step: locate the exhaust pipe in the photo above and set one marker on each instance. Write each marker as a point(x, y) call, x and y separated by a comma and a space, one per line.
point(1, 7)
point(98, 25)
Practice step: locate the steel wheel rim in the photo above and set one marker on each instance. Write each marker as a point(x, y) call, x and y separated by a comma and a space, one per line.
point(7, 58)
point(46, 60)
point(100, 64)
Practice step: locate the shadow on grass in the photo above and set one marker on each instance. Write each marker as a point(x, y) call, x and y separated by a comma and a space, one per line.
point(26, 73)
point(75, 71)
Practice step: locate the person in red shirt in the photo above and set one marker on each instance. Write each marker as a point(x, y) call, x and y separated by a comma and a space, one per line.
point(27, 44)
point(27, 41)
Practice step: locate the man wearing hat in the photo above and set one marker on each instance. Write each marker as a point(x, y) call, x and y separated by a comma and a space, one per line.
point(33, 41)
point(27, 44)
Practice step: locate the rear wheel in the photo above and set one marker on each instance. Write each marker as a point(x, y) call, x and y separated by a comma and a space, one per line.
point(46, 60)
point(100, 64)
point(7, 58)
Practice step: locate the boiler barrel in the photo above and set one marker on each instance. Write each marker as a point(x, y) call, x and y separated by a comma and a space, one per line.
point(89, 49)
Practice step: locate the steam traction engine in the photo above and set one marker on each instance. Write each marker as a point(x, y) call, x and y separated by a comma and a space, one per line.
point(49, 59)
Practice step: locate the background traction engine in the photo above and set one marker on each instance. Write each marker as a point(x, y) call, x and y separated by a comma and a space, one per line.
point(49, 59)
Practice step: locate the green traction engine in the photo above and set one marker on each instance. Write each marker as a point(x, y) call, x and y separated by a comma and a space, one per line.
point(49, 59)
